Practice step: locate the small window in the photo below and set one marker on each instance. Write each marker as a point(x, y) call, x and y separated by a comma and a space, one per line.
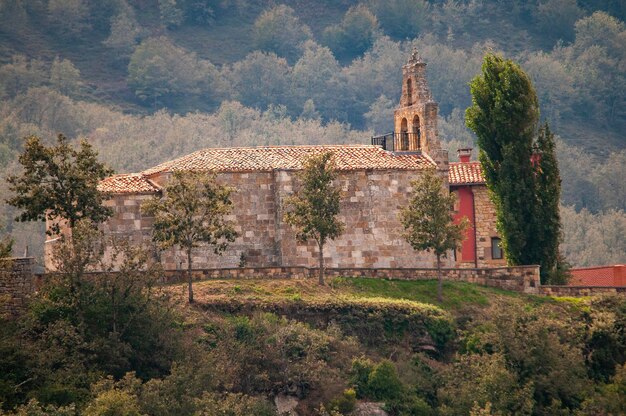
point(496, 248)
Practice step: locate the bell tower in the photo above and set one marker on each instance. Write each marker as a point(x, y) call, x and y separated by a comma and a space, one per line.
point(415, 119)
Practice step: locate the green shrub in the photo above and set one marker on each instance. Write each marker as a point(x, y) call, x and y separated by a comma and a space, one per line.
point(383, 382)
point(232, 404)
point(113, 403)
point(345, 403)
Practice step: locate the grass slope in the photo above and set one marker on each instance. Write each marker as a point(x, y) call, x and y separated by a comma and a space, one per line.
point(457, 295)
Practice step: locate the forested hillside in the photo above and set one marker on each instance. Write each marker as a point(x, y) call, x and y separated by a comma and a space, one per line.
point(149, 80)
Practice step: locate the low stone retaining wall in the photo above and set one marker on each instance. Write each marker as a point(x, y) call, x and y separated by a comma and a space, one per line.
point(16, 284)
point(577, 291)
point(519, 278)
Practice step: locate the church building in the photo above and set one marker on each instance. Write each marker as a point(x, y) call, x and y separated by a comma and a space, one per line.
point(374, 180)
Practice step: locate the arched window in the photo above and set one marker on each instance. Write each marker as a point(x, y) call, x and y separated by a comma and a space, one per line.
point(417, 132)
point(404, 135)
point(409, 92)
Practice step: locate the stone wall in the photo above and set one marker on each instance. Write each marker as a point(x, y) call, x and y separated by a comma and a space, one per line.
point(485, 227)
point(16, 284)
point(523, 279)
point(371, 200)
point(577, 291)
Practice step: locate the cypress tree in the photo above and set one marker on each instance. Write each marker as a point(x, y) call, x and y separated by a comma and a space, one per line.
point(504, 116)
point(547, 217)
point(520, 166)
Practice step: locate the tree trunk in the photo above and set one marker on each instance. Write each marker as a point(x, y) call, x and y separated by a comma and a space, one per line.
point(439, 280)
point(321, 265)
point(189, 278)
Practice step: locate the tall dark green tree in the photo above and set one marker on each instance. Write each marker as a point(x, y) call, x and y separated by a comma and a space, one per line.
point(504, 116)
point(548, 218)
point(59, 182)
point(519, 166)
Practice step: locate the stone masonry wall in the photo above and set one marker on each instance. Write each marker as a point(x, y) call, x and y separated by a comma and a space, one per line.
point(16, 284)
point(254, 217)
point(370, 205)
point(371, 201)
point(485, 227)
point(369, 209)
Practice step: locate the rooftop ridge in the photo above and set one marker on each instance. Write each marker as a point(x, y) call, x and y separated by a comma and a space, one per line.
point(289, 157)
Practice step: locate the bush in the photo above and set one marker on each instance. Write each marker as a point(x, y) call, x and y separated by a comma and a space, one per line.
point(383, 382)
point(113, 403)
point(232, 404)
point(345, 403)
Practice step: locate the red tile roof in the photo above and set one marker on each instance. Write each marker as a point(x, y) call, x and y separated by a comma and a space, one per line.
point(599, 276)
point(465, 173)
point(248, 159)
point(128, 183)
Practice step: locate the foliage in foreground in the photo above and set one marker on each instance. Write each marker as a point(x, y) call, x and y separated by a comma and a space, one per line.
point(517, 356)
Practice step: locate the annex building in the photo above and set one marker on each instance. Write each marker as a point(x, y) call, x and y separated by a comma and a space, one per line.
point(374, 180)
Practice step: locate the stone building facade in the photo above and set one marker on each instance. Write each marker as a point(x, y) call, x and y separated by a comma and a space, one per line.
point(375, 184)
point(481, 245)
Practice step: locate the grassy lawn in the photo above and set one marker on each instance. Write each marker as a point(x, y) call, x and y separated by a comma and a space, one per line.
point(457, 295)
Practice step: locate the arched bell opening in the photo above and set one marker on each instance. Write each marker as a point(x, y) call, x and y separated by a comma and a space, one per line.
point(404, 135)
point(416, 139)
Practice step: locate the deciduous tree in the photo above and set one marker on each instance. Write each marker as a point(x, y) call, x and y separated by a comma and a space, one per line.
point(313, 210)
point(428, 223)
point(59, 182)
point(192, 212)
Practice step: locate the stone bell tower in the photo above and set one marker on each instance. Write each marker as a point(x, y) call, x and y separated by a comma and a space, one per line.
point(415, 119)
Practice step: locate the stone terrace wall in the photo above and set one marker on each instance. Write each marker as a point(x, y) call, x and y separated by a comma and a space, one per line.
point(16, 284)
point(523, 279)
point(577, 291)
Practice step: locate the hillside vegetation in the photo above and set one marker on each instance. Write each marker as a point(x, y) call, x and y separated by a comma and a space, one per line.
point(146, 81)
point(246, 342)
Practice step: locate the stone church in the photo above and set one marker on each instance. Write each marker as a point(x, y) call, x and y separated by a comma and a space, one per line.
point(374, 180)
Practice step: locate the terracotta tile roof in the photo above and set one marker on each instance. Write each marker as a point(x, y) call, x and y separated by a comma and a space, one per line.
point(248, 159)
point(128, 183)
point(464, 173)
point(599, 276)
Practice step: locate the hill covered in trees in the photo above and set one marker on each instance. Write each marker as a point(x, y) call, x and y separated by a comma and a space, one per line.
point(146, 81)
